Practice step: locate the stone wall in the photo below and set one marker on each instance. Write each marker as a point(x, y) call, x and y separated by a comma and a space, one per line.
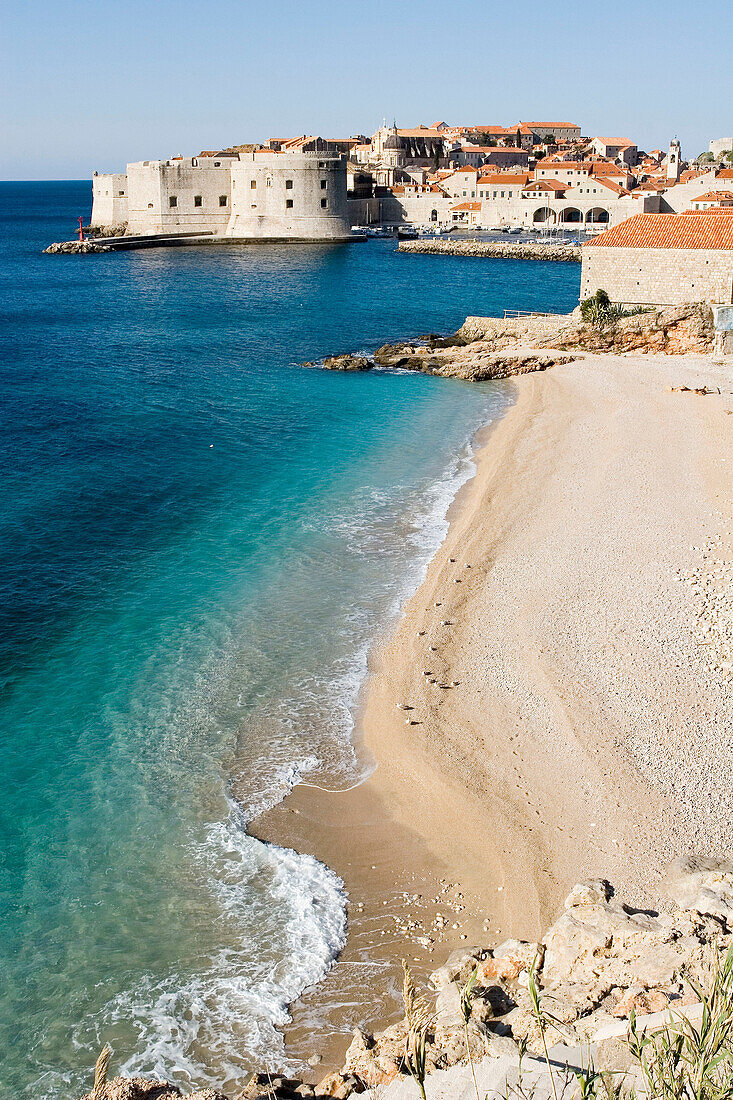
point(109, 199)
point(658, 276)
point(300, 195)
point(193, 193)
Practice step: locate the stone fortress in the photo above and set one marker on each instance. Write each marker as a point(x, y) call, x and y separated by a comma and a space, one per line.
point(295, 192)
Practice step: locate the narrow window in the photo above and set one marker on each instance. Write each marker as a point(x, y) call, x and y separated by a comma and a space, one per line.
point(323, 185)
point(197, 200)
point(173, 200)
point(222, 200)
point(253, 184)
point(288, 185)
point(289, 204)
point(324, 203)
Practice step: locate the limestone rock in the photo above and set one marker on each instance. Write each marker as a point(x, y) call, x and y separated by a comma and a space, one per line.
point(371, 1062)
point(640, 1000)
point(138, 1088)
point(704, 884)
point(348, 363)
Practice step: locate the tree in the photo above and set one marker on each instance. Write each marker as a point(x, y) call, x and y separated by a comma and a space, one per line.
point(728, 156)
point(705, 158)
point(550, 139)
point(519, 138)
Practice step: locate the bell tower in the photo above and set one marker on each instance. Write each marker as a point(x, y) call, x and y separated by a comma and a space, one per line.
point(674, 160)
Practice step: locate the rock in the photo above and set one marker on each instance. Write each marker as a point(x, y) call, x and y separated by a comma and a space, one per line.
point(139, 1088)
point(448, 1003)
point(370, 1061)
point(75, 248)
point(640, 1000)
point(339, 1086)
point(348, 363)
point(592, 892)
point(704, 884)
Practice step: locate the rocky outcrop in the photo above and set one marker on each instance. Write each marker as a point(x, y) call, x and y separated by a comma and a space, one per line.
point(674, 330)
point(504, 250)
point(73, 248)
point(473, 363)
point(348, 362)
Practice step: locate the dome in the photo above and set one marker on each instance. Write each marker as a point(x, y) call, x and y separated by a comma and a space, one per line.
point(393, 142)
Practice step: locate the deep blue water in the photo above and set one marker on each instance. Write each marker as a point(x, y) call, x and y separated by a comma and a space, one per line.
point(198, 539)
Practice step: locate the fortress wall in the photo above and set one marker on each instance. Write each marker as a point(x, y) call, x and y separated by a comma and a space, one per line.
point(109, 199)
point(297, 195)
point(188, 194)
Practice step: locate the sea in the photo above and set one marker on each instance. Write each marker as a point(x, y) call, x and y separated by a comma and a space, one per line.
point(199, 539)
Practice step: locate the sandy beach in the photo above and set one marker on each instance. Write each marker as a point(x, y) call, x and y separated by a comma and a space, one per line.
point(567, 665)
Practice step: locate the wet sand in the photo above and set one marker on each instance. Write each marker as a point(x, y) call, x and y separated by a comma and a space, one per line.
point(565, 666)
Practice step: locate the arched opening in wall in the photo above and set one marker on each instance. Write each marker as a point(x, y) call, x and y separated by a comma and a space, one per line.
point(597, 216)
point(571, 214)
point(544, 216)
point(433, 215)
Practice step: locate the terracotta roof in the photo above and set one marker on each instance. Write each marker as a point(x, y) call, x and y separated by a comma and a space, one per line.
point(724, 174)
point(711, 210)
point(467, 206)
point(714, 196)
point(623, 143)
point(545, 185)
point(667, 231)
point(499, 179)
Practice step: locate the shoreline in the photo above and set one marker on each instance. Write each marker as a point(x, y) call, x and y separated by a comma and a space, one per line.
point(560, 750)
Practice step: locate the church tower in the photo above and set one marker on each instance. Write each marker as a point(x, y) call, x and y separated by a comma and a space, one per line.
point(674, 161)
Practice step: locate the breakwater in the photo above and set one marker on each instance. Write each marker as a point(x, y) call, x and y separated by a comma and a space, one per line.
point(509, 250)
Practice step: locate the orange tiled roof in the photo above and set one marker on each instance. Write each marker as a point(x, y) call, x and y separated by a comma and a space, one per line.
point(711, 210)
point(714, 196)
point(499, 179)
point(724, 174)
point(467, 206)
point(667, 231)
point(546, 185)
point(623, 143)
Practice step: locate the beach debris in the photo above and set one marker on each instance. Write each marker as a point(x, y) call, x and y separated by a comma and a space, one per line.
point(701, 391)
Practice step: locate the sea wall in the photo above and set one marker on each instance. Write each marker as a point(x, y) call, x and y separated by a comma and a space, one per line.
point(509, 250)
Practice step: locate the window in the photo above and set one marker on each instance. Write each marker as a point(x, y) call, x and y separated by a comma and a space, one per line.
point(321, 164)
point(324, 203)
point(323, 185)
point(217, 164)
point(222, 200)
point(288, 185)
point(121, 193)
point(253, 184)
point(197, 200)
point(173, 200)
point(289, 204)
point(150, 206)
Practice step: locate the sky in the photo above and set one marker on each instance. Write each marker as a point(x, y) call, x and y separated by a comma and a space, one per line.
point(92, 85)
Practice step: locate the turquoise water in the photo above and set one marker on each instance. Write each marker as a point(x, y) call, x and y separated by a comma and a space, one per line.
point(198, 540)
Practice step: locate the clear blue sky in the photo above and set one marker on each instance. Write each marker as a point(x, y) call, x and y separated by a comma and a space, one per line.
point(91, 84)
